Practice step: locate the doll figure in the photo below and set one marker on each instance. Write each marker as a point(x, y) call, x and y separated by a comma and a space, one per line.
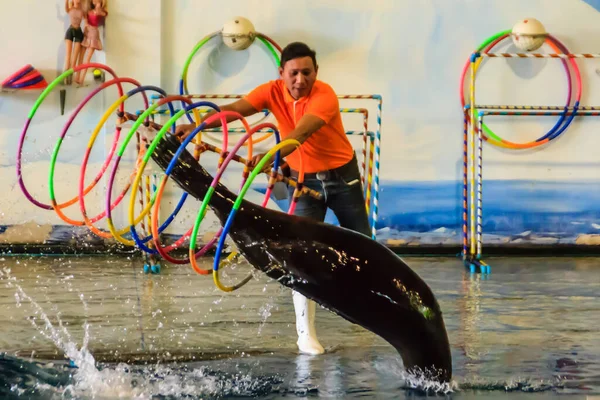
point(74, 34)
point(95, 18)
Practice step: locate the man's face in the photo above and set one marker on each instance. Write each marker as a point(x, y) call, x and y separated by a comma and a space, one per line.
point(299, 76)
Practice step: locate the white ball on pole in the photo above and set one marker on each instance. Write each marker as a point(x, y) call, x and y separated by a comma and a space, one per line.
point(238, 34)
point(529, 34)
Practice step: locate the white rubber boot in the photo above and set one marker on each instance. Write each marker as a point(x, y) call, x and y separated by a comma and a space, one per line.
point(305, 325)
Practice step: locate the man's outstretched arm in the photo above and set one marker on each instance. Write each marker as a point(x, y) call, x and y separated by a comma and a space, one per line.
point(240, 106)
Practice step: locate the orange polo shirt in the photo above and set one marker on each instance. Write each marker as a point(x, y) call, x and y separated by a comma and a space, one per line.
point(327, 148)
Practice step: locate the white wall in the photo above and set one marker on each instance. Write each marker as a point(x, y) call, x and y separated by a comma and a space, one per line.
point(410, 52)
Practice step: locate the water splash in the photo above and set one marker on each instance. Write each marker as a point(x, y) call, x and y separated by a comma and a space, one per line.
point(516, 384)
point(265, 313)
point(421, 381)
point(37, 380)
point(87, 375)
point(90, 380)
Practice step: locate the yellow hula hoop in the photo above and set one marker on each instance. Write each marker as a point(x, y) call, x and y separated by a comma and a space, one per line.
point(136, 182)
point(91, 142)
point(118, 235)
point(257, 169)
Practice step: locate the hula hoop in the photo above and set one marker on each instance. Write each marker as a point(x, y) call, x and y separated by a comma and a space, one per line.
point(203, 208)
point(103, 119)
point(164, 251)
point(118, 234)
point(158, 194)
point(32, 113)
point(555, 131)
point(552, 133)
point(263, 36)
point(140, 242)
point(256, 141)
point(499, 141)
point(555, 42)
point(192, 257)
point(183, 88)
point(58, 207)
point(152, 147)
point(238, 203)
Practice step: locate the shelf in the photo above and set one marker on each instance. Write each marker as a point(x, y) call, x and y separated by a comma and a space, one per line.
point(6, 90)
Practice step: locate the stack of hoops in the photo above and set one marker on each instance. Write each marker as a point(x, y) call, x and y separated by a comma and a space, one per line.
point(151, 243)
point(476, 131)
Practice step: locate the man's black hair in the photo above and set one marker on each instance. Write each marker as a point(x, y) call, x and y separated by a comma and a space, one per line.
point(297, 50)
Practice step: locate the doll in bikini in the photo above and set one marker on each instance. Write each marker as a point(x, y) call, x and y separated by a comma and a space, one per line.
point(74, 34)
point(95, 17)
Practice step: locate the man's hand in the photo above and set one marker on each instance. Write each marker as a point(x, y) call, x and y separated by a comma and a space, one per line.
point(256, 159)
point(183, 131)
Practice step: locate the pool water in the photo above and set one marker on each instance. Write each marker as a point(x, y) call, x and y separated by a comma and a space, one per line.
point(530, 329)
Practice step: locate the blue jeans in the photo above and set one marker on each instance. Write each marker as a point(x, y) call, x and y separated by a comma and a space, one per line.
point(341, 191)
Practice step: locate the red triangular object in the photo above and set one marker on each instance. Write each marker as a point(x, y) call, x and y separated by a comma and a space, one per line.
point(30, 76)
point(40, 85)
point(17, 75)
point(24, 75)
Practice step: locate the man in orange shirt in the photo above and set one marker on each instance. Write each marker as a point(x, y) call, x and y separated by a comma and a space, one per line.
point(307, 110)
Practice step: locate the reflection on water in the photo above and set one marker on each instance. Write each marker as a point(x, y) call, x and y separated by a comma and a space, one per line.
point(531, 326)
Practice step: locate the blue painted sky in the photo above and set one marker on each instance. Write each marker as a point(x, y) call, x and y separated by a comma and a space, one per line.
point(509, 207)
point(593, 3)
